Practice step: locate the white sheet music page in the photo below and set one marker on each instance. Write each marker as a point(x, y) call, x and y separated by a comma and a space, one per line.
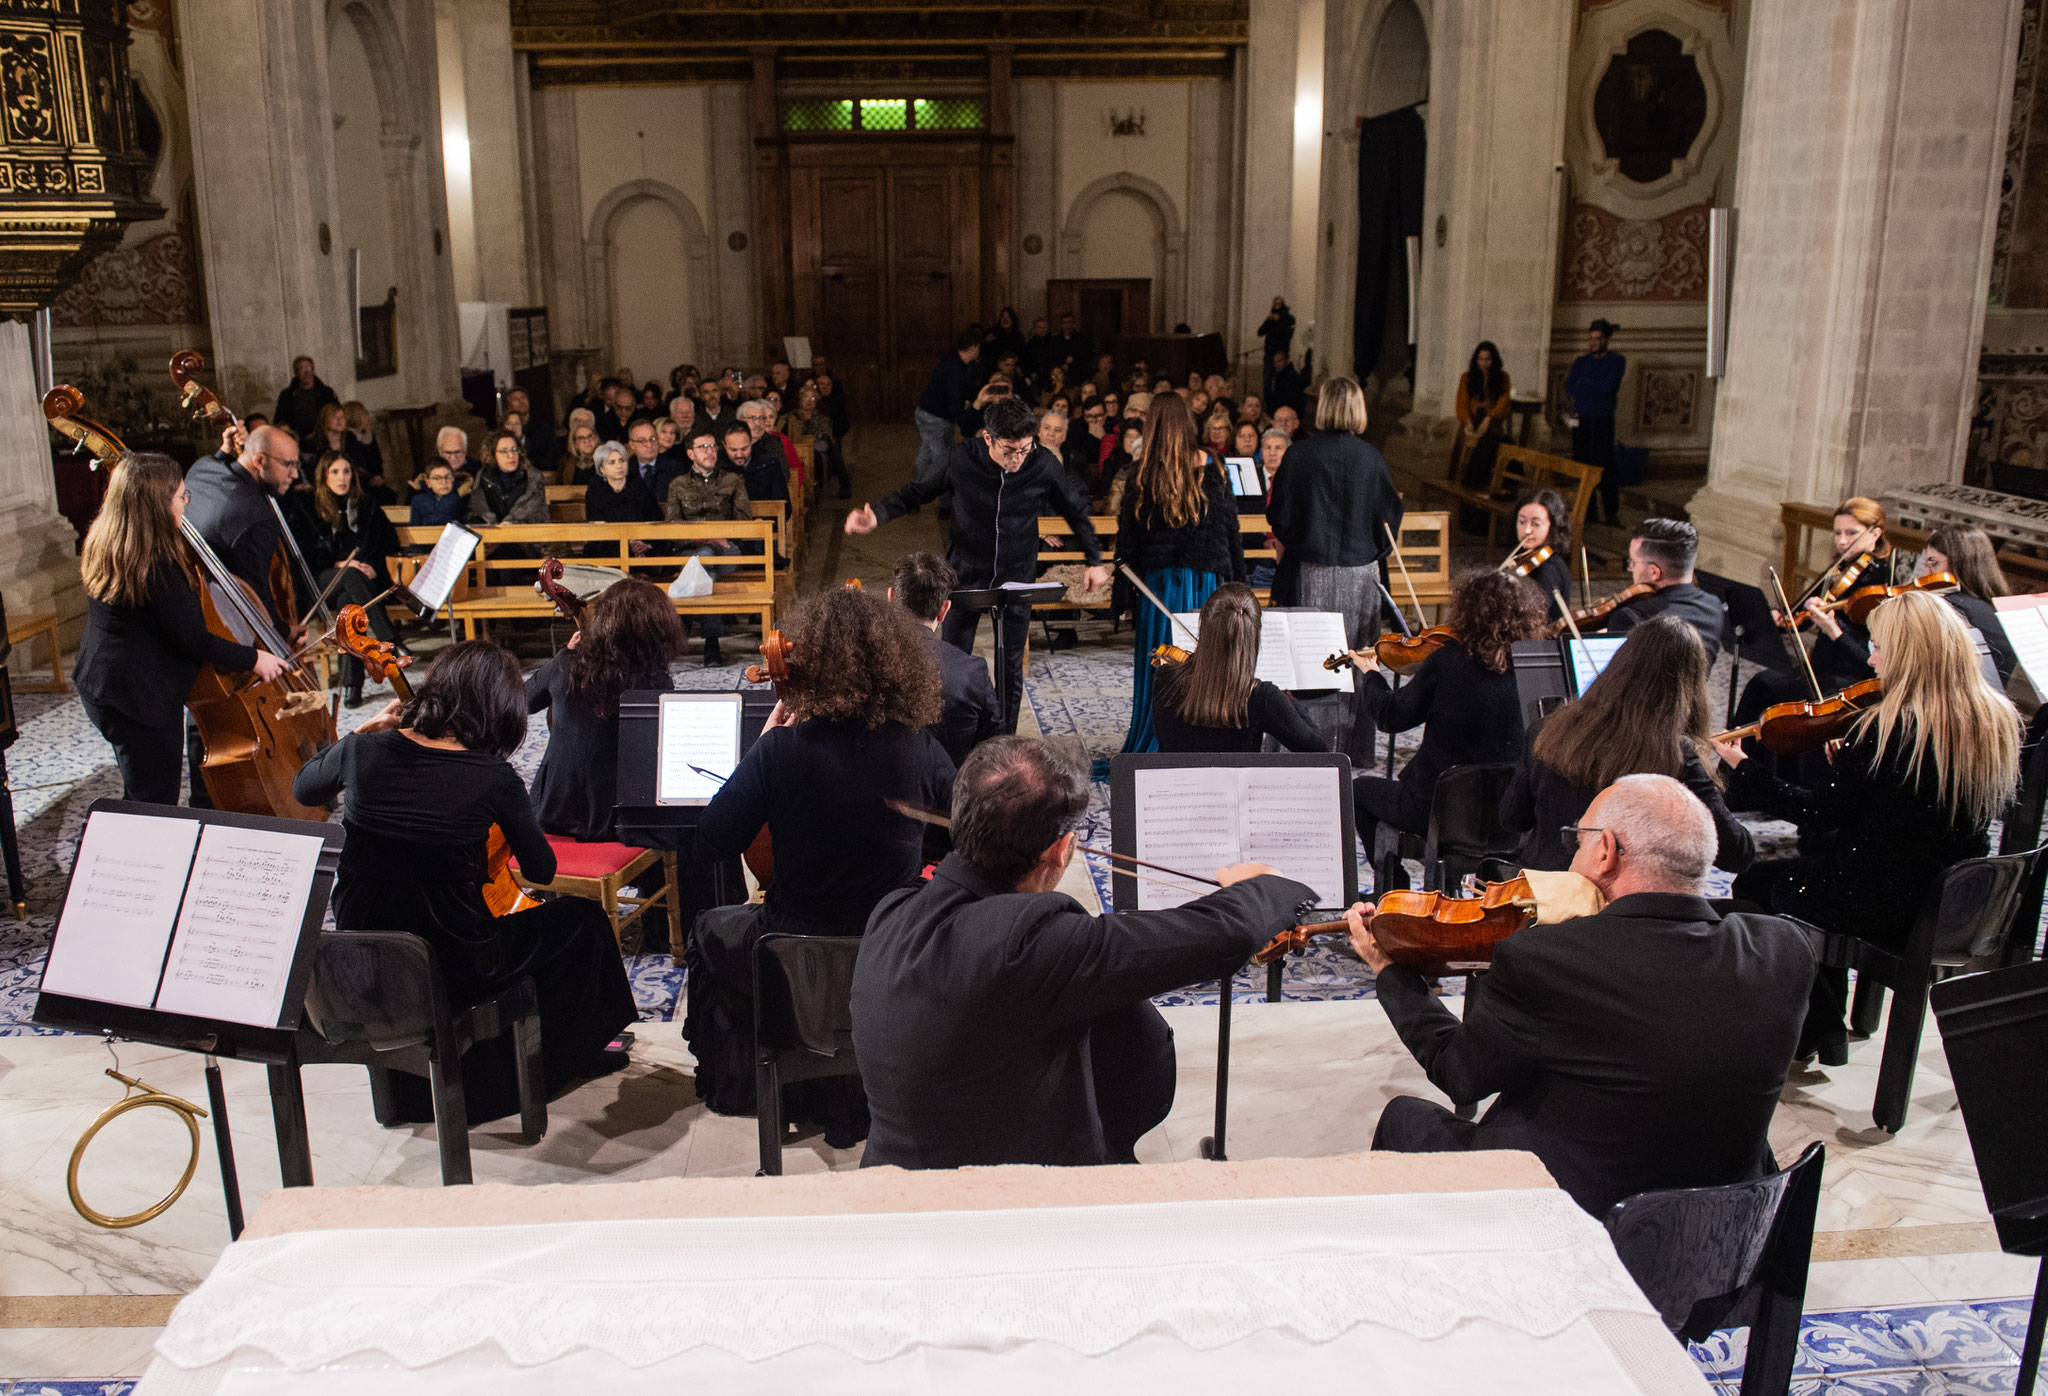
point(696, 731)
point(1275, 664)
point(2025, 623)
point(1186, 819)
point(1312, 637)
point(117, 917)
point(438, 574)
point(232, 956)
point(1292, 823)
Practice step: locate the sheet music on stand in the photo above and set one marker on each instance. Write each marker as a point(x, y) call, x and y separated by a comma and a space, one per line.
point(1199, 811)
point(431, 585)
point(1292, 647)
point(2025, 622)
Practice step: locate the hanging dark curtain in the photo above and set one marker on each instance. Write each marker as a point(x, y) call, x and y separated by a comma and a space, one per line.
point(1390, 150)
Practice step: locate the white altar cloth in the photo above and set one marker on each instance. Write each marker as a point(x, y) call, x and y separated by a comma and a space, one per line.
point(1507, 1291)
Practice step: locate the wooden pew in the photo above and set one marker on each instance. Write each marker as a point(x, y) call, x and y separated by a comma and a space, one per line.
point(1517, 470)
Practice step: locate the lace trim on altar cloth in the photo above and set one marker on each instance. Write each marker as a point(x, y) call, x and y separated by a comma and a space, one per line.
point(1090, 1279)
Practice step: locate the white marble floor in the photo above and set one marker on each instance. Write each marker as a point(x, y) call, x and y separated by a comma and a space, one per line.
point(1307, 1079)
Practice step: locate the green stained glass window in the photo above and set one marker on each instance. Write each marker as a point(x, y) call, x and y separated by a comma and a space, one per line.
point(946, 114)
point(817, 114)
point(888, 114)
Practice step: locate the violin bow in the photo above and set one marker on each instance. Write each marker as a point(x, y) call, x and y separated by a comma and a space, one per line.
point(1509, 560)
point(925, 816)
point(1585, 578)
point(1572, 623)
point(1406, 580)
point(1160, 606)
point(1805, 661)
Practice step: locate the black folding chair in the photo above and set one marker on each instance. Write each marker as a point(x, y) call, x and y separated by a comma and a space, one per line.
point(1728, 1257)
point(1465, 833)
point(803, 1023)
point(376, 999)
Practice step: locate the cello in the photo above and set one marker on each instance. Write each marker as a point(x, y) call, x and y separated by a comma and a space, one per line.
point(256, 732)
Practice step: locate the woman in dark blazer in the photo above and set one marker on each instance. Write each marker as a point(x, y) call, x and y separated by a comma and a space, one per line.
point(145, 634)
point(1331, 511)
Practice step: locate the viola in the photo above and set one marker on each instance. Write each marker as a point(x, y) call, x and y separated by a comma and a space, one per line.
point(383, 664)
point(1529, 562)
point(1600, 610)
point(1809, 724)
point(1858, 604)
point(1834, 592)
point(1433, 932)
point(1396, 651)
point(567, 603)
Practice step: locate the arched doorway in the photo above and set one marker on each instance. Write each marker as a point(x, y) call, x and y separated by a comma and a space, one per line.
point(647, 264)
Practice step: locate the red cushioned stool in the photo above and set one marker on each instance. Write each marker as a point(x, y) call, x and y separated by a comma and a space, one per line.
point(601, 872)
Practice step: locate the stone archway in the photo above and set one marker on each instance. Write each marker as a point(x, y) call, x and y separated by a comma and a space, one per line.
point(598, 261)
point(1173, 292)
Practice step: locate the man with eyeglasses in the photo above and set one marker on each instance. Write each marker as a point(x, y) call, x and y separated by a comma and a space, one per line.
point(231, 507)
point(1001, 480)
point(1642, 1046)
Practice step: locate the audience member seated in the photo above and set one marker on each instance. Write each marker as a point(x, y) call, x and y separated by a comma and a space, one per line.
point(1642, 1047)
point(968, 716)
point(1482, 407)
point(451, 444)
point(346, 539)
point(703, 494)
point(848, 736)
point(650, 470)
point(579, 462)
point(812, 420)
point(995, 1020)
point(543, 446)
point(421, 785)
point(760, 465)
point(1647, 714)
point(438, 502)
point(511, 491)
point(1213, 701)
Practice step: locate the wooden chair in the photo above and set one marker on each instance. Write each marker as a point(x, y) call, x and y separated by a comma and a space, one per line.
point(20, 630)
point(602, 872)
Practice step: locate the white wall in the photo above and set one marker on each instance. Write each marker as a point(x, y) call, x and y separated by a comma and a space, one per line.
point(1087, 150)
point(650, 291)
point(1121, 237)
point(364, 207)
point(630, 133)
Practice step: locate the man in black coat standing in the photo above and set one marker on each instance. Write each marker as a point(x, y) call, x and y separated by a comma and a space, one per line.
point(1001, 481)
point(968, 713)
point(998, 1022)
point(1641, 1047)
point(298, 406)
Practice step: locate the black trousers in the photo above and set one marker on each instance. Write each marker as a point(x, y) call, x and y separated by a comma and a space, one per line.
point(151, 758)
point(1412, 1125)
point(959, 628)
point(1593, 444)
point(1131, 1061)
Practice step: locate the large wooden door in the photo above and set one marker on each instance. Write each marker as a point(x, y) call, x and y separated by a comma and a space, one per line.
point(886, 252)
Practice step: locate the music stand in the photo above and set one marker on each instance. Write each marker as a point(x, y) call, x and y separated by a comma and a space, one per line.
point(644, 823)
point(999, 601)
point(1994, 1028)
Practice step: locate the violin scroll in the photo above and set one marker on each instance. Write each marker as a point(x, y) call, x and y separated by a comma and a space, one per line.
point(380, 658)
point(774, 665)
point(549, 584)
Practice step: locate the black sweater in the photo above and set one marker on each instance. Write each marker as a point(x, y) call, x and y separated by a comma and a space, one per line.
point(633, 504)
point(996, 511)
point(140, 661)
point(1146, 543)
point(1333, 501)
point(1472, 712)
point(576, 790)
point(1270, 711)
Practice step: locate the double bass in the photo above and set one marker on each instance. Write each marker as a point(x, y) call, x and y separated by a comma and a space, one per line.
point(257, 732)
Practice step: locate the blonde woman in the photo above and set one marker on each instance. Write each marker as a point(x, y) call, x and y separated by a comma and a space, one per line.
point(1331, 511)
point(1177, 529)
point(1912, 789)
point(579, 467)
point(145, 635)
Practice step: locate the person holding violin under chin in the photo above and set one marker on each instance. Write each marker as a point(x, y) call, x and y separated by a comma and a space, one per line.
point(1909, 791)
point(1543, 546)
point(1958, 554)
point(1660, 557)
point(1463, 696)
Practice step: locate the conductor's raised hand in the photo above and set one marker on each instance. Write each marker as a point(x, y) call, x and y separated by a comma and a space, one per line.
point(1244, 872)
point(1362, 939)
point(862, 520)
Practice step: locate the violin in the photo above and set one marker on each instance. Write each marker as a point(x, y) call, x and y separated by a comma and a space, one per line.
point(1170, 654)
point(1791, 729)
point(382, 663)
point(1400, 652)
point(1600, 610)
point(1858, 604)
point(1834, 592)
point(1529, 563)
point(1433, 932)
point(567, 603)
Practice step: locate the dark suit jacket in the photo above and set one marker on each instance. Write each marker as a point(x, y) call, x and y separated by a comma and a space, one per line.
point(971, 1006)
point(1697, 607)
point(1641, 1048)
point(968, 714)
point(232, 513)
point(140, 661)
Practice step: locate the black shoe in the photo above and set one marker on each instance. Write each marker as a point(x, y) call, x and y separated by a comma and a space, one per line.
point(352, 697)
point(713, 659)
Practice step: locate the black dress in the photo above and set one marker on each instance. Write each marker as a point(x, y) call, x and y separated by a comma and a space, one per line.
point(633, 504)
point(135, 666)
point(418, 818)
point(1473, 716)
point(1552, 577)
point(1270, 711)
point(576, 791)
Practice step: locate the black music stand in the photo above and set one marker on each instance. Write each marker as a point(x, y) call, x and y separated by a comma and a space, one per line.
point(998, 602)
point(642, 823)
point(274, 1045)
point(1994, 1027)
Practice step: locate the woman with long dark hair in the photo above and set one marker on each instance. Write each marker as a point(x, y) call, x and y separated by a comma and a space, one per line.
point(145, 634)
point(1463, 696)
point(1542, 520)
point(508, 489)
point(1647, 714)
point(346, 539)
point(423, 783)
point(1177, 530)
point(1482, 415)
point(1214, 701)
point(1913, 789)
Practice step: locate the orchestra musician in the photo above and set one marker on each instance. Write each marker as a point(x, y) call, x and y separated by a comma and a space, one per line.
point(1542, 520)
point(1966, 554)
point(1660, 556)
point(1647, 714)
point(1464, 693)
point(923, 585)
point(424, 781)
point(849, 734)
point(1641, 1047)
point(145, 634)
point(230, 507)
point(1911, 790)
point(1213, 701)
point(346, 540)
point(998, 1022)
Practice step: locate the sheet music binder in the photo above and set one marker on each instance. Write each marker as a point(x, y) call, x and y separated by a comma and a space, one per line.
point(199, 1034)
point(1123, 805)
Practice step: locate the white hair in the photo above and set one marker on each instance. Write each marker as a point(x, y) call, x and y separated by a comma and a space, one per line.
point(1663, 829)
point(604, 452)
point(1280, 436)
point(441, 438)
point(1048, 416)
point(753, 407)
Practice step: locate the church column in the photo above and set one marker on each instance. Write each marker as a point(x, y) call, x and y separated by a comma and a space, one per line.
point(1489, 215)
point(1268, 72)
point(1873, 138)
point(38, 546)
point(484, 66)
point(264, 183)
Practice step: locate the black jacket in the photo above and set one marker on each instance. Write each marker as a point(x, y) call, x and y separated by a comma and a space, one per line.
point(372, 539)
point(299, 408)
point(1641, 1048)
point(996, 511)
point(1541, 802)
point(1212, 543)
point(948, 390)
point(968, 715)
point(1333, 501)
point(1698, 608)
point(766, 471)
point(1270, 711)
point(232, 512)
point(971, 1006)
point(633, 504)
point(140, 661)
point(1473, 714)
